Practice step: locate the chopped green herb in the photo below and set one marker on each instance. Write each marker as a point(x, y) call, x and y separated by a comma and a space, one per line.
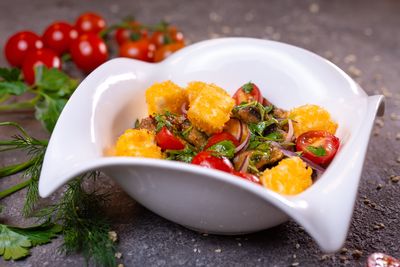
point(161, 121)
point(248, 87)
point(274, 136)
point(259, 128)
point(184, 155)
point(137, 123)
point(317, 151)
point(224, 148)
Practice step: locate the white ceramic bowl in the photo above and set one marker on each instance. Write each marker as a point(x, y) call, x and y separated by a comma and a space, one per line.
point(112, 97)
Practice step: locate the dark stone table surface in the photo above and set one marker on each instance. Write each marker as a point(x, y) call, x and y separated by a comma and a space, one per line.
point(361, 36)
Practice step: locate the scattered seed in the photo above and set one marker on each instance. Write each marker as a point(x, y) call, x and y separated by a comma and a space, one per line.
point(118, 255)
point(395, 178)
point(195, 250)
point(313, 8)
point(218, 250)
point(398, 159)
point(297, 245)
point(350, 59)
point(120, 265)
point(343, 251)
point(356, 254)
point(354, 71)
point(205, 234)
point(367, 201)
point(239, 244)
point(386, 92)
point(379, 123)
point(324, 257)
point(379, 187)
point(112, 235)
point(376, 132)
point(295, 264)
point(328, 54)
point(343, 258)
point(294, 256)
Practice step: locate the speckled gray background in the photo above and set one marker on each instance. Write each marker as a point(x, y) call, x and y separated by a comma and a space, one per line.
point(362, 37)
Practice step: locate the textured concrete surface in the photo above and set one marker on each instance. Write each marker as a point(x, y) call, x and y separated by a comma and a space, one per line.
point(362, 37)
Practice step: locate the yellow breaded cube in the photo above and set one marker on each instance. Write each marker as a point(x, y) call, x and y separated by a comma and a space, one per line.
point(311, 118)
point(165, 96)
point(209, 106)
point(138, 143)
point(291, 176)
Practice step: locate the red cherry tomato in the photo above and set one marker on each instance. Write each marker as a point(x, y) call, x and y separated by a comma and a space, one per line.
point(166, 50)
point(382, 260)
point(166, 140)
point(88, 51)
point(207, 160)
point(90, 23)
point(36, 58)
point(123, 35)
point(170, 35)
point(58, 36)
point(318, 146)
point(247, 93)
point(19, 45)
point(141, 49)
point(247, 176)
point(216, 138)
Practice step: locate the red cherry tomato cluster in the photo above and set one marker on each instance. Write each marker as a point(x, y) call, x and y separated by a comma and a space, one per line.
point(82, 40)
point(151, 44)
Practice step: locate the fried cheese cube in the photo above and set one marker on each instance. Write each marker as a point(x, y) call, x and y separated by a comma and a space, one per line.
point(291, 176)
point(209, 106)
point(138, 143)
point(165, 96)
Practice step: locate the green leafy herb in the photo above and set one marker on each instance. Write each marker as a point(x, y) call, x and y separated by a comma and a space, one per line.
point(259, 128)
point(256, 144)
point(48, 110)
point(184, 155)
point(163, 120)
point(13, 88)
point(10, 75)
point(15, 242)
point(262, 110)
point(274, 136)
point(137, 123)
point(54, 83)
point(248, 88)
point(224, 148)
point(317, 151)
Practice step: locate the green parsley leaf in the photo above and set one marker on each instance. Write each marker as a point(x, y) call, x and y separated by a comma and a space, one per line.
point(15, 242)
point(248, 88)
point(224, 148)
point(317, 151)
point(13, 88)
point(259, 128)
point(48, 110)
point(184, 155)
point(256, 144)
point(54, 83)
point(162, 120)
point(10, 74)
point(274, 136)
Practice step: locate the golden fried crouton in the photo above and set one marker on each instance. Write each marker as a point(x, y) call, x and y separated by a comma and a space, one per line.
point(165, 96)
point(209, 106)
point(138, 143)
point(311, 118)
point(291, 176)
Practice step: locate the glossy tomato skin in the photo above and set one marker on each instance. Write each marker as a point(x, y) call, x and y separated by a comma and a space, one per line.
point(90, 23)
point(324, 139)
point(247, 93)
point(166, 140)
point(19, 45)
point(207, 160)
point(88, 51)
point(141, 50)
point(123, 35)
point(248, 176)
point(166, 50)
point(170, 35)
point(36, 58)
point(219, 137)
point(58, 36)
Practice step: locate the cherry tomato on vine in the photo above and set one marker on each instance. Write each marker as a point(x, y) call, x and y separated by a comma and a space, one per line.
point(166, 140)
point(219, 137)
point(19, 44)
point(166, 50)
point(141, 49)
point(123, 35)
point(207, 160)
point(58, 36)
point(167, 36)
point(90, 23)
point(318, 146)
point(247, 176)
point(247, 93)
point(36, 58)
point(88, 51)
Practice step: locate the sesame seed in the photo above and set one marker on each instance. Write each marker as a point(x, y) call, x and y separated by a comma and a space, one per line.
point(218, 250)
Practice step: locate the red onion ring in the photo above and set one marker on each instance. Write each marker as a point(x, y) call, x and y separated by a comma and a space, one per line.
point(290, 132)
point(184, 108)
point(245, 164)
point(311, 164)
point(243, 145)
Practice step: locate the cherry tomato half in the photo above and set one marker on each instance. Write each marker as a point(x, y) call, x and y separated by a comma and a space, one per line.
point(207, 160)
point(247, 176)
point(166, 50)
point(141, 49)
point(123, 35)
point(58, 36)
point(19, 45)
point(318, 146)
point(216, 138)
point(90, 23)
point(88, 51)
point(247, 93)
point(36, 58)
point(166, 140)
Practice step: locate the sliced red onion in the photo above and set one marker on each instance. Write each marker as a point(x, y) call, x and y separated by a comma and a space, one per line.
point(243, 145)
point(320, 170)
point(184, 108)
point(245, 164)
point(290, 132)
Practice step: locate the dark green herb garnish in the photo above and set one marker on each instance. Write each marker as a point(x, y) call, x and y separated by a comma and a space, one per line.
point(248, 88)
point(184, 155)
point(317, 151)
point(224, 148)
